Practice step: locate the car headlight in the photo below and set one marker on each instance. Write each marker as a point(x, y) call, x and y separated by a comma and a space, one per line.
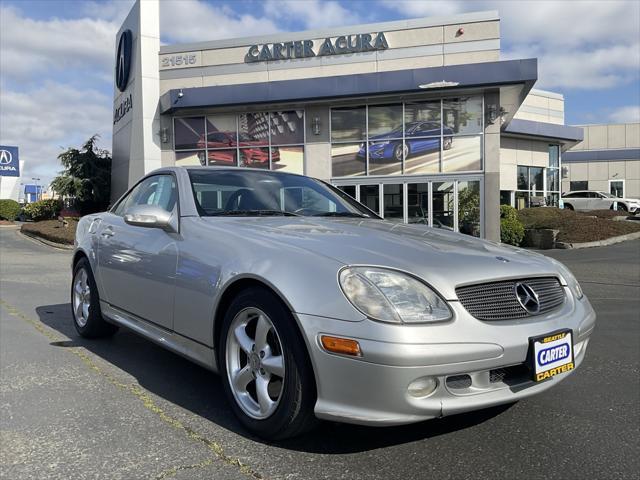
point(392, 296)
point(569, 279)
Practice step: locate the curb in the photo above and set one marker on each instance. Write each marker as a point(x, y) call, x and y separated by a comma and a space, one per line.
point(599, 243)
point(48, 243)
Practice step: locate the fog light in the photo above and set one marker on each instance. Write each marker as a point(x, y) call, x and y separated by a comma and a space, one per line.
point(422, 387)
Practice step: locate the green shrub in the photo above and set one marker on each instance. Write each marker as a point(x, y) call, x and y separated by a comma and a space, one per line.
point(511, 228)
point(9, 210)
point(43, 209)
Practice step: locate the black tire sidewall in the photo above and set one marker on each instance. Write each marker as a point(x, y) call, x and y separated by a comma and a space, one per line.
point(96, 326)
point(294, 412)
point(397, 152)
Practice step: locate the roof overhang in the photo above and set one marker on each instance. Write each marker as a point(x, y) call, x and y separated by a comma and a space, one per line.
point(564, 134)
point(613, 155)
point(514, 78)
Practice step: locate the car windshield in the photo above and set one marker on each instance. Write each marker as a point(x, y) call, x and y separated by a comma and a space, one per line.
point(607, 195)
point(255, 193)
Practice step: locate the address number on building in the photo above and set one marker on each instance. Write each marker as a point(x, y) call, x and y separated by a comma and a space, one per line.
point(179, 60)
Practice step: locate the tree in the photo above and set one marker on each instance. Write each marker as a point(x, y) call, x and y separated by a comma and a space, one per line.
point(86, 177)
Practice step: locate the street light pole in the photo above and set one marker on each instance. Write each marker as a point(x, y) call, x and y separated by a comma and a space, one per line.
point(37, 180)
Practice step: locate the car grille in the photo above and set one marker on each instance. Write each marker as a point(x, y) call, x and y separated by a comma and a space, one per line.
point(498, 300)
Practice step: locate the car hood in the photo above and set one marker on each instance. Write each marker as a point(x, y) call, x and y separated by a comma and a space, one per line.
point(443, 259)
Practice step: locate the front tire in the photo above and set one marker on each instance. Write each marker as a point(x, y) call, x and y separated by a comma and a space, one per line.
point(266, 372)
point(85, 304)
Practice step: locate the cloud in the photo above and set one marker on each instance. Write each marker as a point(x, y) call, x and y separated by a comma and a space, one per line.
point(311, 13)
point(596, 69)
point(197, 21)
point(41, 47)
point(628, 114)
point(579, 44)
point(46, 120)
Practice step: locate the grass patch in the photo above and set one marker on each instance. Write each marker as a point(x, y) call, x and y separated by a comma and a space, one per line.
point(575, 227)
point(52, 230)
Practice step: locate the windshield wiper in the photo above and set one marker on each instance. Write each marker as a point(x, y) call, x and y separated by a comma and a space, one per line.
point(340, 214)
point(249, 213)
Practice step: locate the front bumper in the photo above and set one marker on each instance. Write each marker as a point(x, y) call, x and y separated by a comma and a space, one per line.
point(373, 389)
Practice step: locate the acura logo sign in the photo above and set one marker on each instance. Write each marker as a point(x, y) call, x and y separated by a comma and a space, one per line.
point(123, 60)
point(527, 298)
point(5, 157)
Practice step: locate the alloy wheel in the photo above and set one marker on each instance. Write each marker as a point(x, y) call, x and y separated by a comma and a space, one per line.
point(81, 298)
point(255, 363)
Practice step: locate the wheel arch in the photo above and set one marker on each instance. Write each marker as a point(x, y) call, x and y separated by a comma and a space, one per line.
point(229, 293)
point(77, 255)
point(227, 296)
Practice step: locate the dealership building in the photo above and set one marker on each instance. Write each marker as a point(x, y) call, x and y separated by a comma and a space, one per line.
point(419, 119)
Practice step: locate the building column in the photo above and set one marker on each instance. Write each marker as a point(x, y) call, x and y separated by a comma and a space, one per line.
point(492, 169)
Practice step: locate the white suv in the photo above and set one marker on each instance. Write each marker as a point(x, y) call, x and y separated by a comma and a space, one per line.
point(590, 200)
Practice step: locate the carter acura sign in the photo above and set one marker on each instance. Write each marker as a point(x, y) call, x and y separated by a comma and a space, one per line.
point(306, 48)
point(9, 164)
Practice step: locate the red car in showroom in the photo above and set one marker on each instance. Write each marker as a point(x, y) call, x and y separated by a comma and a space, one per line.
point(254, 153)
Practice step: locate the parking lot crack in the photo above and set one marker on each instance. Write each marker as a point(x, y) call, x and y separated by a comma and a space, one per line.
point(216, 449)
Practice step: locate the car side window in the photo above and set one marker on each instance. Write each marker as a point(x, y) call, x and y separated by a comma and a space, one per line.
point(160, 190)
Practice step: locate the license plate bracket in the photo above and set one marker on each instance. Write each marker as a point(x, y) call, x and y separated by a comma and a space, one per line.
point(551, 354)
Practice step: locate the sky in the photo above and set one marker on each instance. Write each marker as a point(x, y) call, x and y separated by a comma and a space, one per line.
point(57, 57)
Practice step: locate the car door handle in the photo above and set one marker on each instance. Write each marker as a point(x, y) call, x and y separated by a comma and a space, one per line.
point(107, 232)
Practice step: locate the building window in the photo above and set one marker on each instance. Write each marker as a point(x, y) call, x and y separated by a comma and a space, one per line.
point(505, 197)
point(453, 204)
point(552, 189)
point(469, 207)
point(370, 197)
point(530, 187)
point(269, 140)
point(438, 136)
point(578, 185)
point(393, 202)
point(616, 188)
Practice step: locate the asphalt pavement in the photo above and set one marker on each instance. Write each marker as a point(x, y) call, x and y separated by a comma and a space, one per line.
point(125, 408)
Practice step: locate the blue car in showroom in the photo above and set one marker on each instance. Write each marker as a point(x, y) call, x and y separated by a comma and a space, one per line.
point(419, 137)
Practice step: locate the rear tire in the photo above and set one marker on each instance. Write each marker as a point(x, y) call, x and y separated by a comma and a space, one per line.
point(288, 392)
point(85, 304)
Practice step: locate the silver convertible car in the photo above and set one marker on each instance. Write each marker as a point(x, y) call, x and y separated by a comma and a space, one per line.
point(311, 307)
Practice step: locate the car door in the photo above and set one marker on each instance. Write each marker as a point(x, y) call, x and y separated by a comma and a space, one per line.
point(580, 200)
point(137, 264)
point(599, 201)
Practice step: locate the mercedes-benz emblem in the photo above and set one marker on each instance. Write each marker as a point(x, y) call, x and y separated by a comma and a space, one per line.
point(123, 60)
point(527, 297)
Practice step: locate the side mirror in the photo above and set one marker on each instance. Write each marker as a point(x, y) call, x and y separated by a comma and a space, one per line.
point(151, 216)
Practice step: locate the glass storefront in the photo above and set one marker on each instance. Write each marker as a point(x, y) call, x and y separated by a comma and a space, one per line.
point(453, 204)
point(436, 136)
point(270, 140)
point(539, 186)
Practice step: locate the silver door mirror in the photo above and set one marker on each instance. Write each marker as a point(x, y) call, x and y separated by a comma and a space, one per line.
point(151, 216)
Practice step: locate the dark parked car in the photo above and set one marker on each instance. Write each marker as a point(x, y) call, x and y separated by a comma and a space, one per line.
point(419, 137)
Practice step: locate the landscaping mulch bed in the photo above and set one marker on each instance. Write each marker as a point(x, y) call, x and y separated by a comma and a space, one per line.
point(604, 213)
point(576, 227)
point(52, 230)
point(6, 222)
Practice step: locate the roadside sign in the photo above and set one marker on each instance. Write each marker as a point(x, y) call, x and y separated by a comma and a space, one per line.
point(9, 161)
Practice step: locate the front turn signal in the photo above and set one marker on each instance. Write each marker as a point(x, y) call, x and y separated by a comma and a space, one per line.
point(343, 346)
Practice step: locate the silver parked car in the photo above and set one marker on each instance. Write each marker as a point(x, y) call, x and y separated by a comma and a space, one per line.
point(311, 306)
point(593, 200)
